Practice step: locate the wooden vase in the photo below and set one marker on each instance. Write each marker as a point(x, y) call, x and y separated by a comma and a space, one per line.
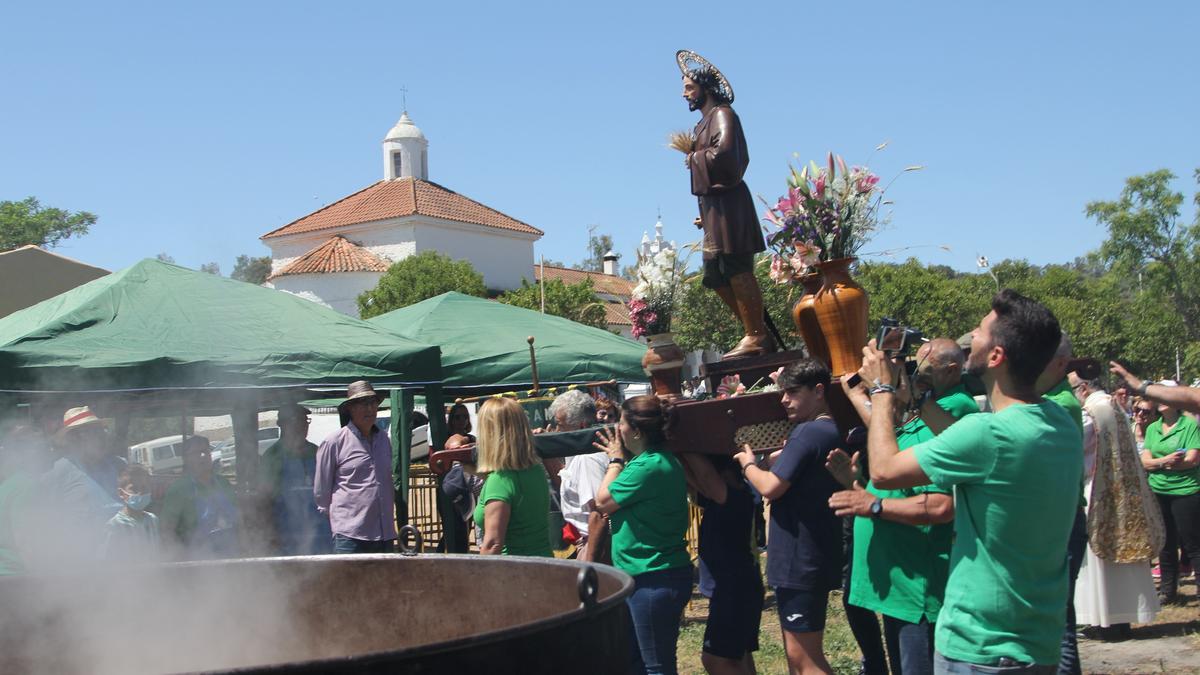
point(663, 362)
point(841, 310)
point(804, 315)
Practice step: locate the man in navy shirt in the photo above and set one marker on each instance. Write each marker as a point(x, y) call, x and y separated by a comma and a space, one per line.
point(804, 549)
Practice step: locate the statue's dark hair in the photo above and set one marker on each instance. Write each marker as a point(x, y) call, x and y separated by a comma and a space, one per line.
point(706, 79)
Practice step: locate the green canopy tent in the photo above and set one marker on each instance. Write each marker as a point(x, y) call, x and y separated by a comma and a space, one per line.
point(157, 336)
point(485, 349)
point(163, 327)
point(484, 344)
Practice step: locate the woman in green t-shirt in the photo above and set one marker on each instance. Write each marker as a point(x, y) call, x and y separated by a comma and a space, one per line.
point(514, 505)
point(1171, 456)
point(644, 493)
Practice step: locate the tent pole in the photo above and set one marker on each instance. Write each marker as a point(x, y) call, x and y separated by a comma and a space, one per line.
point(401, 401)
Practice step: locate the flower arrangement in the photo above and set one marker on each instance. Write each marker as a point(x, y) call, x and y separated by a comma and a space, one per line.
point(659, 288)
point(828, 213)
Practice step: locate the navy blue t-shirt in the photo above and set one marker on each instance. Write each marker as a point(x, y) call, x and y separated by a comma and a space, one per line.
point(804, 549)
point(727, 554)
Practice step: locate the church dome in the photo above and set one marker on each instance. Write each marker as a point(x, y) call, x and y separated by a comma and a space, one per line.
point(404, 129)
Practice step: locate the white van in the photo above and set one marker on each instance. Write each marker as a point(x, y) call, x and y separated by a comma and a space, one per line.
point(161, 455)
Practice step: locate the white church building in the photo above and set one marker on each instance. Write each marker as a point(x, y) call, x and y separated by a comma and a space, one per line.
point(341, 250)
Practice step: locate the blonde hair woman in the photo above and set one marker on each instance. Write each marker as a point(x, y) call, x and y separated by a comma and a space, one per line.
point(514, 505)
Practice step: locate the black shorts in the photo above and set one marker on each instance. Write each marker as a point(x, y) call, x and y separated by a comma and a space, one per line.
point(801, 611)
point(733, 617)
point(718, 270)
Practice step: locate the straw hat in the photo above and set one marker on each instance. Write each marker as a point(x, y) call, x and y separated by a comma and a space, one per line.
point(79, 417)
point(359, 390)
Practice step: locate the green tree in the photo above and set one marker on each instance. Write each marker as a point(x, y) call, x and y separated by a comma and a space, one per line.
point(420, 277)
point(28, 222)
point(211, 268)
point(598, 245)
point(1147, 242)
point(703, 321)
point(251, 270)
point(577, 302)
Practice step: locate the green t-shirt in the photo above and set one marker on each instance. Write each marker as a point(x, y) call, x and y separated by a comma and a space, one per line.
point(649, 528)
point(1184, 436)
point(528, 496)
point(900, 570)
point(1015, 474)
point(1064, 395)
point(958, 402)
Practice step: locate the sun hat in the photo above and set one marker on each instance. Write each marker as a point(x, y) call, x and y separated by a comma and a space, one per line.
point(359, 390)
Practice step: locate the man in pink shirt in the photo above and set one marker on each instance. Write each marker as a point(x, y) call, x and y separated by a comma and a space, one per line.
point(353, 482)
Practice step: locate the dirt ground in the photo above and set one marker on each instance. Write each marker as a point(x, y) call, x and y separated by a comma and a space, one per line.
point(1171, 644)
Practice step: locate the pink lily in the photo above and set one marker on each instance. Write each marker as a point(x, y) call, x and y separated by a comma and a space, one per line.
point(778, 274)
point(807, 254)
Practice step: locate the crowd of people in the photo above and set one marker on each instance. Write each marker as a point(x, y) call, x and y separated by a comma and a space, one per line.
point(1001, 496)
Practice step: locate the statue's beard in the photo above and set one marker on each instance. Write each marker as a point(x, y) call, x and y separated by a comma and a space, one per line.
point(697, 103)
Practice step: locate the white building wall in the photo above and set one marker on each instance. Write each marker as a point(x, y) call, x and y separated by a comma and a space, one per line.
point(502, 258)
point(338, 291)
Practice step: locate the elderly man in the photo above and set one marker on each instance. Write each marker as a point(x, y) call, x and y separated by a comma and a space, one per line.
point(939, 378)
point(1125, 529)
point(581, 477)
point(901, 544)
point(1015, 472)
point(81, 487)
point(353, 483)
point(288, 468)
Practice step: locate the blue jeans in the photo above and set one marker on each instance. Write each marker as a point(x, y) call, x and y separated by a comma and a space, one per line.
point(909, 645)
point(945, 666)
point(344, 544)
point(656, 608)
point(1068, 663)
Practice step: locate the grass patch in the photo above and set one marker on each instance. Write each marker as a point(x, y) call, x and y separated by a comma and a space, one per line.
point(840, 648)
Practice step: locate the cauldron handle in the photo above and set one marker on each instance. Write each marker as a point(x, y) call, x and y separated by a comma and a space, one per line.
point(589, 586)
point(410, 540)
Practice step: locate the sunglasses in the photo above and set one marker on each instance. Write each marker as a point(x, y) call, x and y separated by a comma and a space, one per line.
point(1142, 411)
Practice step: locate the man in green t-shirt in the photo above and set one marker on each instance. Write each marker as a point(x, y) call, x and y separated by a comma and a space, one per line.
point(938, 380)
point(901, 551)
point(1005, 598)
point(1053, 382)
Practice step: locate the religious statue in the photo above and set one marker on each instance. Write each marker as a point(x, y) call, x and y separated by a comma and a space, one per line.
point(717, 159)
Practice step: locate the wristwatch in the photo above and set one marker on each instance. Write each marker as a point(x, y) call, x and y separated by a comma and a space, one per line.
point(877, 508)
point(616, 460)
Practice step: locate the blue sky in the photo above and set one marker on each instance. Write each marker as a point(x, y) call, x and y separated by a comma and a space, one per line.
point(194, 128)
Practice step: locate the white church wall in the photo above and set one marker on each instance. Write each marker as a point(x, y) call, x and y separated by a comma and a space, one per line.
point(338, 291)
point(502, 259)
point(393, 240)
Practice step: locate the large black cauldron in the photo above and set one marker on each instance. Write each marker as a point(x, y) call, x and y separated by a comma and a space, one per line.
point(326, 614)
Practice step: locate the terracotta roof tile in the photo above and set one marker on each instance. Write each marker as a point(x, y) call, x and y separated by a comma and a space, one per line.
point(603, 283)
point(402, 197)
point(617, 314)
point(335, 255)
